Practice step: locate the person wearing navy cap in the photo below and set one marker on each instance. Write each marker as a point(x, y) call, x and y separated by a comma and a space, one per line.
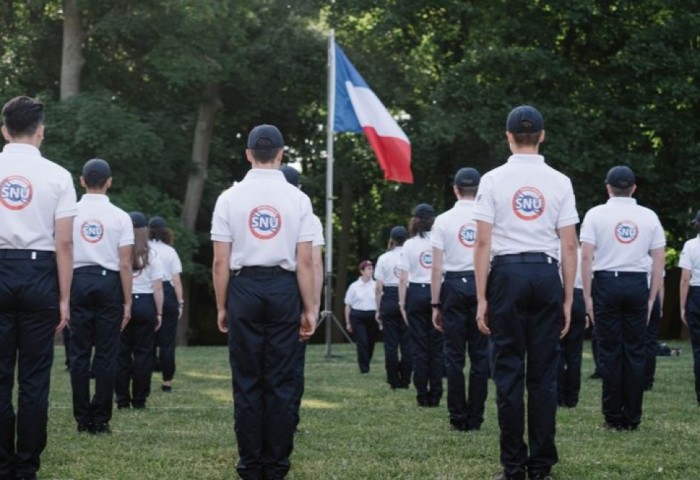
point(262, 233)
point(161, 242)
point(454, 305)
point(361, 313)
point(414, 301)
point(689, 263)
point(100, 296)
point(526, 220)
point(617, 240)
point(135, 364)
point(37, 207)
point(396, 334)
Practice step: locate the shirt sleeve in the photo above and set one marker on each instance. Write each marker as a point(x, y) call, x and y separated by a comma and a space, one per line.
point(436, 234)
point(685, 260)
point(403, 259)
point(176, 263)
point(67, 201)
point(318, 241)
point(379, 269)
point(568, 214)
point(658, 238)
point(127, 231)
point(484, 205)
point(220, 228)
point(156, 265)
point(587, 229)
point(307, 232)
point(350, 294)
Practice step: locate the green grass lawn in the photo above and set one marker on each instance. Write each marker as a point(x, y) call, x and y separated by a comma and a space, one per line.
point(355, 427)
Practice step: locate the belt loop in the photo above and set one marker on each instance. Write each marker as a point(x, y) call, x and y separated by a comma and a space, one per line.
point(549, 259)
point(33, 255)
point(104, 272)
point(615, 273)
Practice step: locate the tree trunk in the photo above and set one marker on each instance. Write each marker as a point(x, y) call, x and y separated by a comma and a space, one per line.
point(72, 59)
point(341, 282)
point(203, 133)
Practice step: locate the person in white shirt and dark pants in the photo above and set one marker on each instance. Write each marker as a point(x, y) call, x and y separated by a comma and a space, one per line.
point(360, 314)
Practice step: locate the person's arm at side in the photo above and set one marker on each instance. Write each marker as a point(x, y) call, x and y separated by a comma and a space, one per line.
point(348, 325)
point(482, 258)
point(221, 275)
point(378, 288)
point(64, 264)
point(318, 276)
point(403, 286)
point(177, 285)
point(587, 250)
point(158, 300)
point(684, 287)
point(658, 257)
point(127, 280)
point(569, 254)
point(662, 293)
point(305, 280)
point(436, 286)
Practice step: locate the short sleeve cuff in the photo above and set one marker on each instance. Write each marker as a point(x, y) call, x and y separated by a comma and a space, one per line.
point(215, 237)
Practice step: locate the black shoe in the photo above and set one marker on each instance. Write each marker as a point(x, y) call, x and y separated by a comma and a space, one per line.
point(84, 427)
point(458, 426)
point(612, 426)
point(166, 388)
point(541, 476)
point(505, 476)
point(101, 429)
point(139, 406)
point(123, 406)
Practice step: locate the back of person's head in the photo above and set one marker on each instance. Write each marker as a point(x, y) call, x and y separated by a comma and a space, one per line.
point(96, 172)
point(291, 174)
point(695, 222)
point(21, 116)
point(526, 124)
point(621, 180)
point(139, 255)
point(467, 181)
point(397, 236)
point(158, 230)
point(265, 142)
point(422, 220)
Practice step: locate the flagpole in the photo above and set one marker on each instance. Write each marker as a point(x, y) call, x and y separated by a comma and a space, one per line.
point(329, 188)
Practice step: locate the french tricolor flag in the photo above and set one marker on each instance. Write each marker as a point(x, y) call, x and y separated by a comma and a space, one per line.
point(357, 109)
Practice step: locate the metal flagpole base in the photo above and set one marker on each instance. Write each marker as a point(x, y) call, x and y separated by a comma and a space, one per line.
point(328, 315)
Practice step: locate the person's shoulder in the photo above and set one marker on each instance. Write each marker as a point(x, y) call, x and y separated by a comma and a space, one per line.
point(52, 169)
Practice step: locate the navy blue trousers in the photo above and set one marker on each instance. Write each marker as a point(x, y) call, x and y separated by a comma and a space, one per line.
point(28, 318)
point(396, 337)
point(620, 309)
point(571, 354)
point(164, 347)
point(652, 345)
point(263, 320)
point(525, 318)
point(135, 363)
point(426, 345)
point(692, 311)
point(458, 298)
point(365, 330)
point(97, 307)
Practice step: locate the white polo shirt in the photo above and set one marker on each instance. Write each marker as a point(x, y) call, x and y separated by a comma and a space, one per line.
point(360, 295)
point(622, 234)
point(264, 217)
point(526, 201)
point(690, 260)
point(144, 278)
point(318, 240)
point(34, 193)
point(99, 230)
point(387, 268)
point(454, 232)
point(168, 257)
point(417, 258)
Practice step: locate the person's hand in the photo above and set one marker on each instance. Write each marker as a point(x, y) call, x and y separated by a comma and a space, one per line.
point(684, 319)
point(126, 316)
point(64, 316)
point(482, 317)
point(159, 322)
point(180, 309)
point(308, 325)
point(348, 327)
point(567, 320)
point(437, 319)
point(221, 321)
point(650, 308)
point(403, 314)
point(589, 311)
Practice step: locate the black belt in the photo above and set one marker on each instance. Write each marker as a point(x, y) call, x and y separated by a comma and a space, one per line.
point(260, 272)
point(390, 288)
point(12, 254)
point(95, 270)
point(422, 285)
point(465, 273)
point(609, 273)
point(527, 257)
point(144, 295)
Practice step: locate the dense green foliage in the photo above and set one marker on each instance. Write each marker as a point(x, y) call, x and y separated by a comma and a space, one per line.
point(617, 82)
point(353, 427)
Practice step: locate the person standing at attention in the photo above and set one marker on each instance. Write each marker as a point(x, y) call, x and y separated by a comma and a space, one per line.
point(361, 316)
point(396, 334)
point(616, 240)
point(526, 215)
point(415, 266)
point(454, 305)
point(161, 242)
point(100, 296)
point(690, 296)
point(262, 233)
point(37, 207)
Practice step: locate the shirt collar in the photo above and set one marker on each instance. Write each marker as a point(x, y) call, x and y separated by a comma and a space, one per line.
point(95, 197)
point(464, 202)
point(526, 158)
point(21, 148)
point(623, 200)
point(265, 173)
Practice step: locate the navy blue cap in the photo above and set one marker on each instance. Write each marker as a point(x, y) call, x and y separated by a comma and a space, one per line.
point(157, 222)
point(291, 174)
point(138, 219)
point(96, 170)
point(423, 210)
point(620, 176)
point(524, 119)
point(265, 137)
point(467, 177)
point(399, 234)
